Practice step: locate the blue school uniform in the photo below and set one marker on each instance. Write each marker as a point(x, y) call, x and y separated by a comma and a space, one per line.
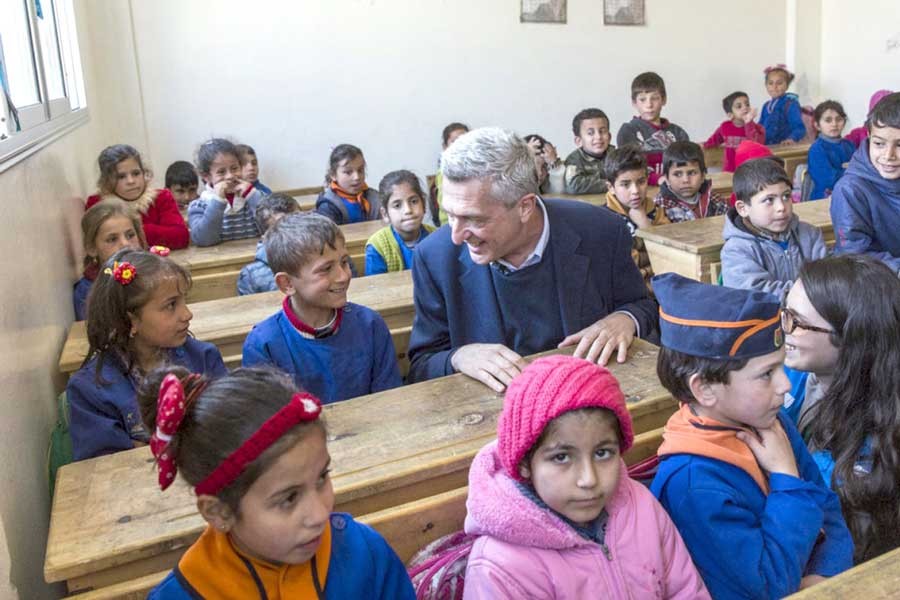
point(745, 543)
point(825, 162)
point(79, 297)
point(356, 360)
point(261, 187)
point(104, 417)
point(361, 565)
point(782, 119)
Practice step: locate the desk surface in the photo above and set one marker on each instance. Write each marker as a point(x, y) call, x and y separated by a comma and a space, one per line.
point(704, 236)
point(234, 317)
point(877, 579)
point(108, 511)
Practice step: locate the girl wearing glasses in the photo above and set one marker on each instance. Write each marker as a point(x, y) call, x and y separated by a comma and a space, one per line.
point(842, 325)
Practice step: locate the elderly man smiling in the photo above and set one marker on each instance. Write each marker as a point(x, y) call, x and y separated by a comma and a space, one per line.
point(513, 274)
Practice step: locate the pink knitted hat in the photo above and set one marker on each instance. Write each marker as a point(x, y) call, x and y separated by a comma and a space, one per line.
point(876, 98)
point(546, 389)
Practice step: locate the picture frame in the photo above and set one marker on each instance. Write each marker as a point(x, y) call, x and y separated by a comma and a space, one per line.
point(623, 12)
point(543, 11)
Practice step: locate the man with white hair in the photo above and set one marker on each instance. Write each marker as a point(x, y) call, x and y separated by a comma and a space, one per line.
point(514, 274)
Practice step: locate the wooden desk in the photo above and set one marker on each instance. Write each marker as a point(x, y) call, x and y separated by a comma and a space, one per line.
point(692, 248)
point(215, 269)
point(111, 523)
point(877, 579)
point(792, 156)
point(227, 322)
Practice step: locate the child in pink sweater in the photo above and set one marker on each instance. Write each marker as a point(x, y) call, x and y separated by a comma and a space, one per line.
point(557, 515)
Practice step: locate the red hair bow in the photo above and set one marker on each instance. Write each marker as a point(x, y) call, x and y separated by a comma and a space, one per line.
point(171, 405)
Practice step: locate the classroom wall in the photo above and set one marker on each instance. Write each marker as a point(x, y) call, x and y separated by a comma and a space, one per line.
point(295, 79)
point(42, 206)
point(860, 53)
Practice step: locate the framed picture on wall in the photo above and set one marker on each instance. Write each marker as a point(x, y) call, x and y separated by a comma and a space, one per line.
point(543, 11)
point(623, 12)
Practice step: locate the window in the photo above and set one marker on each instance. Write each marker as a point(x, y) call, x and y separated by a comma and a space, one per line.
point(41, 86)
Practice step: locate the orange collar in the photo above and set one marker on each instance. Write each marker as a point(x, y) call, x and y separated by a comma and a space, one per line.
point(687, 433)
point(215, 570)
point(359, 198)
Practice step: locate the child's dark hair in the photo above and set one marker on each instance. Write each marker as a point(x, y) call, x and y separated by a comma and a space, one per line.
point(787, 74)
point(552, 426)
point(223, 416)
point(182, 173)
point(675, 369)
point(271, 205)
point(244, 151)
point(584, 115)
point(886, 113)
point(754, 175)
point(646, 83)
point(542, 141)
point(294, 240)
point(729, 100)
point(110, 304)
point(828, 105)
point(679, 154)
point(861, 407)
point(386, 186)
point(96, 216)
point(449, 129)
point(340, 153)
point(210, 149)
point(624, 158)
point(107, 161)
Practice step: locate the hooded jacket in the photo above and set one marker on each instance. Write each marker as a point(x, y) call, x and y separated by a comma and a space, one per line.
point(865, 211)
point(753, 262)
point(526, 551)
point(257, 276)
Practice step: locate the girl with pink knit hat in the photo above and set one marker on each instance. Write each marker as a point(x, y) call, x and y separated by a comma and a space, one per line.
point(856, 136)
point(556, 514)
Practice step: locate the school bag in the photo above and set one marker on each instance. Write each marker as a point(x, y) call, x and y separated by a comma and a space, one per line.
point(803, 184)
point(60, 451)
point(438, 570)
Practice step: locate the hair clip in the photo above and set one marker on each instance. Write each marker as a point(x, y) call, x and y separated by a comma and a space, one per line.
point(123, 272)
point(160, 250)
point(776, 67)
point(171, 405)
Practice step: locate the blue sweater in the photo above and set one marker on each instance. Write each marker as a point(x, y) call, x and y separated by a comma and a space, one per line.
point(865, 211)
point(257, 276)
point(362, 565)
point(79, 297)
point(104, 417)
point(782, 119)
point(357, 360)
point(747, 544)
point(826, 164)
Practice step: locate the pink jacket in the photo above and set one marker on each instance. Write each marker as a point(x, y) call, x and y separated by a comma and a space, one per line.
point(528, 552)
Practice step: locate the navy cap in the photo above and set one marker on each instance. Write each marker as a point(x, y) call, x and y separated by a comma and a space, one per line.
point(714, 321)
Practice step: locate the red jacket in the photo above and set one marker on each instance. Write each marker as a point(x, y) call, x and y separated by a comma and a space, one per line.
point(163, 224)
point(730, 135)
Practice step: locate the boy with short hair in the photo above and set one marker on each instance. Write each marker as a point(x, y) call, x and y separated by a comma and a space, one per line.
point(626, 171)
point(182, 181)
point(649, 130)
point(334, 349)
point(738, 127)
point(584, 172)
point(687, 194)
point(734, 473)
point(257, 276)
point(865, 203)
point(250, 167)
point(765, 242)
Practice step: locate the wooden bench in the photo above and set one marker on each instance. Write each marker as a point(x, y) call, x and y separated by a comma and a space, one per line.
point(227, 322)
point(110, 523)
point(215, 269)
point(876, 579)
point(792, 155)
point(692, 248)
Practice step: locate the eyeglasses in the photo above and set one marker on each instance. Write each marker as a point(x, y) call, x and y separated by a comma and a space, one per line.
point(789, 323)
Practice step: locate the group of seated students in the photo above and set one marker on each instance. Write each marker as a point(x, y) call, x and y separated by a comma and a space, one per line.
point(781, 467)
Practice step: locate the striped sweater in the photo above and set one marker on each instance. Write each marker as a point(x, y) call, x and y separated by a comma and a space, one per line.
point(213, 220)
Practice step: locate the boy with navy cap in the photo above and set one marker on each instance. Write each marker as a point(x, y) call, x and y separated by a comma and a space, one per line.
point(734, 474)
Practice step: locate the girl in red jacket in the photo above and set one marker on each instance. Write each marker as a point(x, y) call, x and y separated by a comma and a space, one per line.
point(123, 176)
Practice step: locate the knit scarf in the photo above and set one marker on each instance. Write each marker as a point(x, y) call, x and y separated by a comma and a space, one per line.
point(215, 570)
point(688, 433)
point(359, 198)
point(142, 204)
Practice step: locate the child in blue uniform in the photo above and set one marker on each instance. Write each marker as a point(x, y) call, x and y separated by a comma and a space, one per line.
point(138, 320)
point(347, 198)
point(734, 474)
point(781, 116)
point(403, 209)
point(830, 153)
point(333, 348)
point(253, 448)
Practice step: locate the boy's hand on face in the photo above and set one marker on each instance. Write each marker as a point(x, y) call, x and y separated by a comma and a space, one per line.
point(222, 188)
point(639, 216)
point(597, 342)
point(550, 154)
point(242, 185)
point(772, 449)
point(494, 365)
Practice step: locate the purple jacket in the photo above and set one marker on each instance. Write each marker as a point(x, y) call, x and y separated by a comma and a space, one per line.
point(529, 552)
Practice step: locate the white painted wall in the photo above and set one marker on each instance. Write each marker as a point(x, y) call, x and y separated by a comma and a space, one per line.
point(41, 248)
point(860, 52)
point(294, 79)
